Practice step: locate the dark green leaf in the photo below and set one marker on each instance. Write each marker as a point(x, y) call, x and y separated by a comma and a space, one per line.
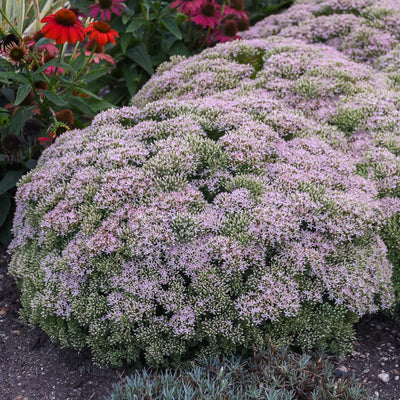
point(13, 77)
point(169, 23)
point(81, 105)
point(78, 62)
point(97, 73)
point(139, 55)
point(30, 164)
point(19, 117)
point(54, 98)
point(98, 106)
point(179, 49)
point(8, 93)
point(23, 91)
point(90, 94)
point(5, 231)
point(124, 41)
point(132, 80)
point(9, 180)
point(136, 25)
point(5, 205)
point(167, 42)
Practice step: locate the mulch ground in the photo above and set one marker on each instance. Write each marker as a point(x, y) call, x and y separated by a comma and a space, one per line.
point(33, 368)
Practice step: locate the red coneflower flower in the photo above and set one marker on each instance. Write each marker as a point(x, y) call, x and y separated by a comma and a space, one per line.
point(236, 8)
point(188, 7)
point(209, 15)
point(101, 32)
point(105, 7)
point(16, 53)
point(63, 26)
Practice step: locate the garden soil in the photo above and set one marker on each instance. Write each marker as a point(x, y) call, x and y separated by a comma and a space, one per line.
point(33, 368)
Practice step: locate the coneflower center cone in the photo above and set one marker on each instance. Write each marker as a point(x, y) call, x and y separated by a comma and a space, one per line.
point(105, 4)
point(65, 17)
point(16, 53)
point(102, 27)
point(208, 9)
point(230, 28)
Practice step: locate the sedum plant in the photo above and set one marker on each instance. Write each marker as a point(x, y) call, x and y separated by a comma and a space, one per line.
point(365, 30)
point(237, 201)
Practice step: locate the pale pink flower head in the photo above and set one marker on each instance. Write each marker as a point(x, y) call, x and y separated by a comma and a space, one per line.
point(236, 8)
point(105, 8)
point(188, 7)
point(209, 15)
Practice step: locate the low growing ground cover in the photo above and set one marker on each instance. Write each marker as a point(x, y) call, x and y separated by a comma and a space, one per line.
point(244, 197)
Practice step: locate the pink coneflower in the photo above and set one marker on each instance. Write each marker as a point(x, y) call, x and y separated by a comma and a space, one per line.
point(105, 7)
point(243, 24)
point(188, 7)
point(49, 48)
point(236, 8)
point(209, 15)
point(227, 33)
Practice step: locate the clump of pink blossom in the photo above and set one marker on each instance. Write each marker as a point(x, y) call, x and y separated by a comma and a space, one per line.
point(242, 196)
point(363, 30)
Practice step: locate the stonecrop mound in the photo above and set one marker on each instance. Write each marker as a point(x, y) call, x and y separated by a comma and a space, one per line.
point(365, 30)
point(241, 199)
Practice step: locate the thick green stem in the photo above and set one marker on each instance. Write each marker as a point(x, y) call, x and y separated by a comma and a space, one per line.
point(53, 78)
point(35, 92)
point(73, 53)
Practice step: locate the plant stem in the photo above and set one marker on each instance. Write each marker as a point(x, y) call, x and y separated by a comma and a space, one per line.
point(35, 92)
point(206, 38)
point(53, 78)
point(73, 53)
point(81, 70)
point(4, 15)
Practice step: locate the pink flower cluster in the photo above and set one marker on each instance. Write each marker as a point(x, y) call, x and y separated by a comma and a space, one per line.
point(364, 30)
point(222, 22)
point(243, 194)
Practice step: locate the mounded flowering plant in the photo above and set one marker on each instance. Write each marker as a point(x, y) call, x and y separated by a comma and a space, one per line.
point(365, 30)
point(234, 203)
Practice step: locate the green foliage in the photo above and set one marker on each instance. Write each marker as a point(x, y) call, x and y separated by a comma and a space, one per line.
point(152, 33)
point(269, 375)
point(26, 14)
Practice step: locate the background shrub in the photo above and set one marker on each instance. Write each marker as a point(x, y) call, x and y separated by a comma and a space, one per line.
point(200, 222)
